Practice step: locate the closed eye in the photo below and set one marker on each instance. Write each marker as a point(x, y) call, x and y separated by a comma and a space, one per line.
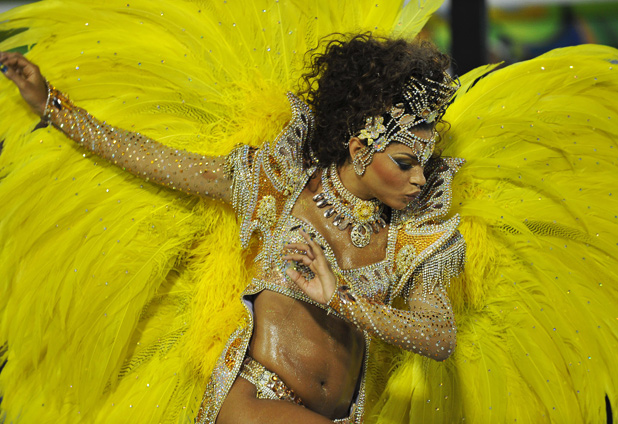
point(405, 164)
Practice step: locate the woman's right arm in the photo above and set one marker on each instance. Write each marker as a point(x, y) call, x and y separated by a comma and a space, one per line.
point(133, 152)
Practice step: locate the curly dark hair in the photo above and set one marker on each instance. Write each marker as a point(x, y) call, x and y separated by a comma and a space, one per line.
point(360, 76)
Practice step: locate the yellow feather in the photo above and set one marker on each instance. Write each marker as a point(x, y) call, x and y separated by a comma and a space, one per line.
point(119, 295)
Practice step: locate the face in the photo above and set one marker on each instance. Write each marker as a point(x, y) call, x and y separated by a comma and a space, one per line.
point(395, 176)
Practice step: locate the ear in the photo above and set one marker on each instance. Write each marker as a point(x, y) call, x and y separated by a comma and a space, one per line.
point(355, 145)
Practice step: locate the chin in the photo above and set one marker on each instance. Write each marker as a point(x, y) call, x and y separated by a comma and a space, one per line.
point(397, 205)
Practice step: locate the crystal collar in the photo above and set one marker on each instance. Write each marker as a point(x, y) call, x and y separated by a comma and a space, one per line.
point(364, 216)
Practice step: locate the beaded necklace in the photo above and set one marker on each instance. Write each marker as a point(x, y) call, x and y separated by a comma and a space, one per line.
point(364, 216)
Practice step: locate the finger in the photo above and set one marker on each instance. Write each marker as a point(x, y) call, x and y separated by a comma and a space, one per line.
point(297, 277)
point(5, 55)
point(10, 54)
point(310, 243)
point(27, 70)
point(16, 59)
point(303, 259)
point(316, 249)
point(310, 240)
point(9, 58)
point(19, 65)
point(299, 248)
point(6, 65)
point(12, 62)
point(311, 236)
point(11, 74)
point(12, 70)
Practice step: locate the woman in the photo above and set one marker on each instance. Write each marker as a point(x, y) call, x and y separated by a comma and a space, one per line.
point(118, 296)
point(345, 198)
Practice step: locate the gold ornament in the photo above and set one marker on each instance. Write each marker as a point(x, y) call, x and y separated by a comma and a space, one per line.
point(267, 211)
point(364, 216)
point(405, 257)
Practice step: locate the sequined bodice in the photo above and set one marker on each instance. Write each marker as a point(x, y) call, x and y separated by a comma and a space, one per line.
point(372, 281)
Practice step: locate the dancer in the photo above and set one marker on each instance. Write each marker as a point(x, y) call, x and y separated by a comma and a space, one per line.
point(155, 275)
point(360, 206)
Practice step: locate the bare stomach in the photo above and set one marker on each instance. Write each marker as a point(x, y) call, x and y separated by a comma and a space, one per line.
point(319, 356)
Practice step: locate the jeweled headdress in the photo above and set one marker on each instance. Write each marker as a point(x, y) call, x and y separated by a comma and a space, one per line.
point(423, 100)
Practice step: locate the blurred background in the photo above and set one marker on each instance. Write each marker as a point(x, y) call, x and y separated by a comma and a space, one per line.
point(6, 5)
point(477, 32)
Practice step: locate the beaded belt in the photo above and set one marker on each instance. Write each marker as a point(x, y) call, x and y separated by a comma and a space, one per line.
point(268, 384)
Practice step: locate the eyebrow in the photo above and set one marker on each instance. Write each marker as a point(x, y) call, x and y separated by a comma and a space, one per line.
point(411, 156)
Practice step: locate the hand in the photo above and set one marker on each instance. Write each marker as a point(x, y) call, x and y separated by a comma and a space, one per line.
point(27, 77)
point(323, 285)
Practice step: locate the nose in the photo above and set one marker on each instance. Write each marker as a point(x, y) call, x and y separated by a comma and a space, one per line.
point(418, 177)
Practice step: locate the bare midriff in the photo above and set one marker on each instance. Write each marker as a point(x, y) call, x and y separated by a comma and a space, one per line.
point(317, 355)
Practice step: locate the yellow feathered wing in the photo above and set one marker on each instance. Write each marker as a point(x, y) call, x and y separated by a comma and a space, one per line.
point(537, 305)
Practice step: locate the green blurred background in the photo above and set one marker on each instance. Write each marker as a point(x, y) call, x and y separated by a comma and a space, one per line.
point(519, 30)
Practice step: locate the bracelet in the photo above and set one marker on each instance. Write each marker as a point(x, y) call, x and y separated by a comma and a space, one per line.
point(47, 115)
point(55, 100)
point(341, 296)
point(333, 302)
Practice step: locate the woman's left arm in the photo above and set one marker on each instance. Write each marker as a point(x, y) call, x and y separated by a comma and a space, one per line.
point(427, 328)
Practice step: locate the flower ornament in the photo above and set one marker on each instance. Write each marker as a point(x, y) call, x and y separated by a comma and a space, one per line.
point(267, 211)
point(364, 211)
point(373, 128)
point(365, 135)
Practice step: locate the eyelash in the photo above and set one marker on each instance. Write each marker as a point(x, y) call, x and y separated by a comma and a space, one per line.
point(402, 166)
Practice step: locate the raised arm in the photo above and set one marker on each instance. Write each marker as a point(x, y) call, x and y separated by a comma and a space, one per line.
point(133, 152)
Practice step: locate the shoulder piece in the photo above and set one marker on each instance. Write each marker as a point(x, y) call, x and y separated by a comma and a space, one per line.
point(264, 178)
point(434, 201)
point(284, 166)
point(426, 245)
